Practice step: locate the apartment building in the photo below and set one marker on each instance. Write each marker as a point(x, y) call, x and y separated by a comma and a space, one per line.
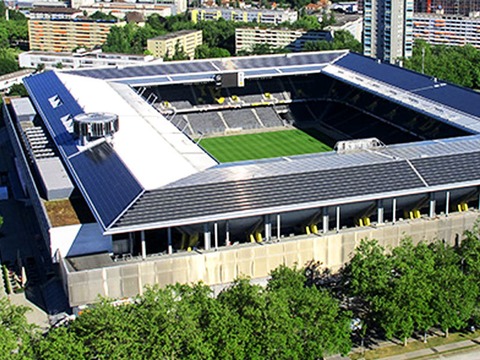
point(54, 13)
point(167, 45)
point(437, 29)
point(83, 59)
point(448, 7)
point(119, 9)
point(67, 35)
point(388, 29)
point(261, 16)
point(294, 40)
point(176, 6)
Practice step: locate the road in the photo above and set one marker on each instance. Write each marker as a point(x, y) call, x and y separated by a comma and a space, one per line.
point(470, 355)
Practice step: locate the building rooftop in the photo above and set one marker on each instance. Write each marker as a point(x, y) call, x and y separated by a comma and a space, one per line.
point(175, 34)
point(54, 10)
point(152, 175)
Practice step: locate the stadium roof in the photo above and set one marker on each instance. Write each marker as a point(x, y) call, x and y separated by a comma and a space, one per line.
point(152, 175)
point(205, 70)
point(307, 181)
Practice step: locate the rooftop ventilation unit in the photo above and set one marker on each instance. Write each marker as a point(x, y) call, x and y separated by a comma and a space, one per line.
point(358, 144)
point(92, 126)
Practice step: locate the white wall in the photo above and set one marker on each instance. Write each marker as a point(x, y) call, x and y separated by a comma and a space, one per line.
point(81, 239)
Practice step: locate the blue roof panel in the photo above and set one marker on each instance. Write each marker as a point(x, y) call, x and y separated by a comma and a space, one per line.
point(390, 74)
point(45, 90)
point(106, 182)
point(455, 97)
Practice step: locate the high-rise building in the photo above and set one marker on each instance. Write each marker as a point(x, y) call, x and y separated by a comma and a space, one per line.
point(388, 29)
point(448, 7)
point(452, 30)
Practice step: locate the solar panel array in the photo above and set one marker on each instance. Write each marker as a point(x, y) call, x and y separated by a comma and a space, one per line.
point(105, 181)
point(47, 89)
point(108, 184)
point(261, 193)
point(201, 69)
point(453, 96)
point(449, 169)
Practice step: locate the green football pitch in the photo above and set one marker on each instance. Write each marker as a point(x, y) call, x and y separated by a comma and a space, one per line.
point(262, 145)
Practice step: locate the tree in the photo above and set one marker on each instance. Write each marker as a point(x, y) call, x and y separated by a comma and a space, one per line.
point(406, 305)
point(16, 334)
point(455, 293)
point(469, 252)
point(342, 40)
point(459, 65)
point(8, 61)
point(204, 52)
point(99, 15)
point(315, 321)
point(15, 90)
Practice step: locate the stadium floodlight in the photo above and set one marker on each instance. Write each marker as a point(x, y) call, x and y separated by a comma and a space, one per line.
point(358, 144)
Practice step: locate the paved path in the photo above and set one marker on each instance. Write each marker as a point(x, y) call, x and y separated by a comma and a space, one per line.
point(439, 349)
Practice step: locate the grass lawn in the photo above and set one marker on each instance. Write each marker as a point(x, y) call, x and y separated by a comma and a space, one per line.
point(262, 145)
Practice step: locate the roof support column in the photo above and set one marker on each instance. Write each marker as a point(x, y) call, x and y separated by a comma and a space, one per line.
point(227, 233)
point(380, 212)
point(326, 220)
point(433, 203)
point(447, 202)
point(215, 234)
point(394, 210)
point(169, 239)
point(279, 227)
point(144, 244)
point(338, 218)
point(207, 236)
point(478, 198)
point(268, 227)
point(130, 243)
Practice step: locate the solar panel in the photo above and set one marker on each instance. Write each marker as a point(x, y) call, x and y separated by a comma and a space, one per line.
point(302, 69)
point(262, 193)
point(56, 105)
point(456, 97)
point(449, 169)
point(212, 66)
point(393, 75)
point(106, 182)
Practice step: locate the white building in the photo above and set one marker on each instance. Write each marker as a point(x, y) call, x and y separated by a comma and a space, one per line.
point(437, 29)
point(54, 13)
point(352, 23)
point(176, 6)
point(119, 9)
point(388, 29)
point(261, 16)
point(7, 80)
point(51, 60)
point(294, 40)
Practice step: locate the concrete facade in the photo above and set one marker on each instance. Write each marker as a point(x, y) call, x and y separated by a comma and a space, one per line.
point(388, 33)
point(273, 17)
point(453, 30)
point(67, 35)
point(51, 60)
point(167, 45)
point(128, 278)
point(294, 40)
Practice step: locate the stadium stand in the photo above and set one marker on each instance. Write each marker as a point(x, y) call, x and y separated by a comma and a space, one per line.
point(241, 119)
point(205, 123)
point(268, 116)
point(179, 97)
point(250, 93)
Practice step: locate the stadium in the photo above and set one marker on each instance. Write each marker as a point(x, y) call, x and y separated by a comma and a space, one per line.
point(208, 170)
